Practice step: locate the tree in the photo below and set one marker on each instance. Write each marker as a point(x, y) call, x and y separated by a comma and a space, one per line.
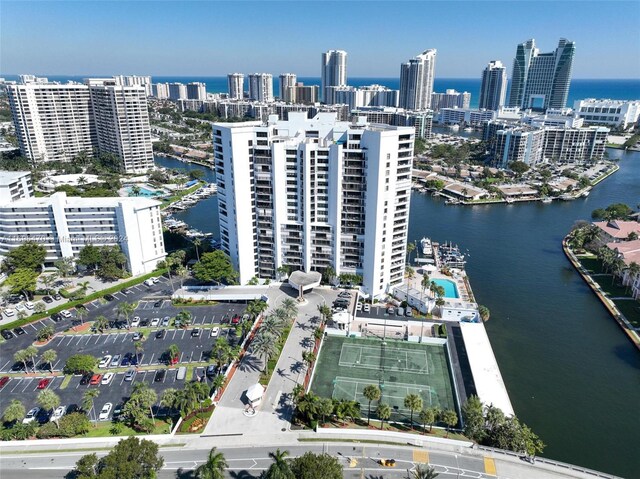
point(29, 255)
point(423, 471)
point(80, 364)
point(49, 357)
point(218, 382)
point(45, 333)
point(316, 466)
point(32, 352)
point(101, 323)
point(14, 412)
point(308, 406)
point(196, 243)
point(139, 347)
point(48, 280)
point(64, 266)
point(131, 458)
point(89, 256)
point(308, 357)
point(173, 352)
point(472, 414)
point(412, 402)
point(264, 344)
point(427, 416)
point(371, 393)
point(290, 307)
point(183, 319)
point(126, 309)
point(280, 468)
point(384, 413)
point(214, 466)
point(450, 418)
point(325, 408)
point(39, 307)
point(21, 356)
point(411, 247)
point(22, 281)
point(518, 167)
point(214, 267)
point(615, 211)
point(485, 314)
point(88, 400)
point(182, 272)
point(81, 313)
point(141, 401)
point(48, 400)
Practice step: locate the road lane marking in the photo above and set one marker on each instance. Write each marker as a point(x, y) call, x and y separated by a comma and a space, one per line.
point(420, 455)
point(490, 466)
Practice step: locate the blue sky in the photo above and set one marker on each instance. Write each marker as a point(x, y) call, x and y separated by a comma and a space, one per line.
point(215, 38)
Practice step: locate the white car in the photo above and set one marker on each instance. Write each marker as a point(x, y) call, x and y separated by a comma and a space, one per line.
point(148, 282)
point(359, 307)
point(135, 322)
point(105, 411)
point(29, 305)
point(367, 307)
point(155, 322)
point(104, 362)
point(20, 307)
point(215, 332)
point(58, 413)
point(9, 312)
point(106, 379)
point(65, 314)
point(31, 415)
point(155, 279)
point(115, 362)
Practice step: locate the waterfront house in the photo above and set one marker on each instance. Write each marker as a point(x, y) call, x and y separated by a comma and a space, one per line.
point(629, 251)
point(615, 231)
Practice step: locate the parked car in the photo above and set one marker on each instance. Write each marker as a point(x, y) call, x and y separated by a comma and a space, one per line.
point(31, 415)
point(125, 291)
point(195, 333)
point(105, 411)
point(56, 317)
point(400, 312)
point(391, 311)
point(43, 383)
point(107, 378)
point(20, 307)
point(144, 323)
point(4, 380)
point(9, 312)
point(6, 334)
point(165, 321)
point(161, 333)
point(155, 322)
point(85, 379)
point(117, 411)
point(115, 362)
point(212, 371)
point(130, 374)
point(235, 319)
point(58, 413)
point(137, 336)
point(135, 322)
point(73, 408)
point(245, 318)
point(158, 303)
point(225, 319)
point(359, 307)
point(29, 305)
point(19, 331)
point(95, 379)
point(47, 299)
point(65, 314)
point(104, 362)
point(181, 374)
point(215, 332)
point(366, 307)
point(109, 297)
point(57, 297)
point(408, 313)
point(160, 374)
point(155, 279)
point(148, 282)
point(344, 294)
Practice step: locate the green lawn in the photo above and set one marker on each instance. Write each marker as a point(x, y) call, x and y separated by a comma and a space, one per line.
point(102, 429)
point(591, 264)
point(630, 310)
point(271, 364)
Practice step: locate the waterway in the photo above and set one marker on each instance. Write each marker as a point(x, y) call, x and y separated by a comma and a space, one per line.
point(572, 374)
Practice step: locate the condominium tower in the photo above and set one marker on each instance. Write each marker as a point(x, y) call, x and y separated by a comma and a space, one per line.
point(493, 89)
point(56, 122)
point(236, 85)
point(333, 73)
point(261, 87)
point(541, 80)
point(315, 193)
point(287, 83)
point(416, 81)
point(196, 91)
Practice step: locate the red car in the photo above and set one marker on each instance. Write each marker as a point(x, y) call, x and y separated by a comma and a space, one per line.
point(4, 380)
point(236, 319)
point(95, 379)
point(43, 383)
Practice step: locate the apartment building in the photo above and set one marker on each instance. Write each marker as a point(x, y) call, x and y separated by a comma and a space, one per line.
point(261, 87)
point(236, 85)
point(333, 72)
point(15, 185)
point(450, 99)
point(622, 114)
point(493, 89)
point(416, 81)
point(371, 95)
point(64, 225)
point(196, 91)
point(287, 82)
point(314, 193)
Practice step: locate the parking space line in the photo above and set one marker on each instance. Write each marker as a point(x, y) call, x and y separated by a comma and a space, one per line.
point(5, 365)
point(54, 366)
point(17, 384)
point(115, 337)
point(151, 359)
point(125, 337)
point(27, 385)
point(183, 331)
point(98, 336)
point(34, 328)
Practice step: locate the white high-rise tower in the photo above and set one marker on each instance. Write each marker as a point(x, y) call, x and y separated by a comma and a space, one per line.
point(261, 87)
point(416, 81)
point(494, 86)
point(236, 85)
point(333, 73)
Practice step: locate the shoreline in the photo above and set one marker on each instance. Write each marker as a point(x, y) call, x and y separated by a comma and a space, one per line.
point(185, 160)
point(595, 287)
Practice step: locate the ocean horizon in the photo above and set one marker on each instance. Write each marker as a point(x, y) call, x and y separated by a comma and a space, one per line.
point(614, 89)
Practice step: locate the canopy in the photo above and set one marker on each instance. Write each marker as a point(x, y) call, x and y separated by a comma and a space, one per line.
point(255, 392)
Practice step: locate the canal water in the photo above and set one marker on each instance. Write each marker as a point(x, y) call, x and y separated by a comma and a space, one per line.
point(572, 374)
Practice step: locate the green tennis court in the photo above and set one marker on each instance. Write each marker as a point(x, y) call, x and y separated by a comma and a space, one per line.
point(347, 365)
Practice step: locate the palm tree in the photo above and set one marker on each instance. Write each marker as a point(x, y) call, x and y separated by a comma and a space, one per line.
point(325, 312)
point(170, 398)
point(49, 357)
point(297, 393)
point(83, 287)
point(413, 402)
point(422, 471)
point(309, 405)
point(135, 190)
point(182, 272)
point(325, 407)
point(427, 416)
point(617, 266)
point(145, 395)
point(272, 325)
point(139, 349)
point(372, 393)
point(82, 181)
point(264, 344)
point(48, 281)
point(633, 270)
point(21, 356)
point(31, 353)
point(126, 309)
point(88, 399)
point(173, 352)
point(280, 468)
point(450, 418)
point(218, 382)
point(308, 357)
point(81, 313)
point(384, 413)
point(411, 247)
point(101, 323)
point(48, 400)
point(214, 466)
point(290, 307)
point(197, 242)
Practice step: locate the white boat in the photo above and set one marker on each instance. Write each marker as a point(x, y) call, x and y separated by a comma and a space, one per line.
point(427, 248)
point(585, 194)
point(468, 129)
point(510, 200)
point(547, 200)
point(451, 201)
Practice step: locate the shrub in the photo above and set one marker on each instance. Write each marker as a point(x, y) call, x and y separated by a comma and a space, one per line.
point(18, 432)
point(45, 333)
point(71, 425)
point(80, 363)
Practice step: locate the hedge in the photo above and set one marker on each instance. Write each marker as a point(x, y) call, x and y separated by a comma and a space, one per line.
point(86, 299)
point(204, 414)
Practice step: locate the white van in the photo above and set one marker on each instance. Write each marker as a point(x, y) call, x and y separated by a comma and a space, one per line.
point(181, 374)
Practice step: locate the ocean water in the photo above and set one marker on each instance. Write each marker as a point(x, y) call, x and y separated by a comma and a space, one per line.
point(628, 89)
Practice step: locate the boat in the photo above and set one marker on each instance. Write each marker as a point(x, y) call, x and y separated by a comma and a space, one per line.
point(585, 194)
point(567, 197)
point(510, 200)
point(468, 129)
point(427, 248)
point(451, 256)
point(546, 199)
point(452, 201)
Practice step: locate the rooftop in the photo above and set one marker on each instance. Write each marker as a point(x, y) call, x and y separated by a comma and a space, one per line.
point(77, 202)
point(618, 229)
point(7, 177)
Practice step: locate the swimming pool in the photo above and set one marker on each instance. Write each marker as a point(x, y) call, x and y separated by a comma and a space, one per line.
point(450, 288)
point(146, 192)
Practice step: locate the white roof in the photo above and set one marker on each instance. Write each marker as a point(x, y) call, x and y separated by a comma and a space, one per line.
point(7, 177)
point(255, 392)
point(486, 374)
point(77, 202)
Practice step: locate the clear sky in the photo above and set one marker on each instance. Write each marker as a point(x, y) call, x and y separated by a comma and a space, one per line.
point(215, 38)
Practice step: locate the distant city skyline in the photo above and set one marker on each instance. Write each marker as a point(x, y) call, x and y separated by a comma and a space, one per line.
point(96, 38)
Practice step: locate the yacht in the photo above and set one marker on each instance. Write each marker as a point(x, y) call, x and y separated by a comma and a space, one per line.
point(546, 199)
point(427, 248)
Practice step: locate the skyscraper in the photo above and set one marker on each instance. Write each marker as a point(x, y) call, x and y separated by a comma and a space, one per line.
point(494, 86)
point(196, 91)
point(333, 73)
point(313, 194)
point(236, 85)
point(541, 80)
point(177, 91)
point(261, 87)
point(287, 83)
point(416, 81)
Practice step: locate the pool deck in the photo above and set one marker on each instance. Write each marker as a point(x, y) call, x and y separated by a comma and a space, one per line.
point(484, 367)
